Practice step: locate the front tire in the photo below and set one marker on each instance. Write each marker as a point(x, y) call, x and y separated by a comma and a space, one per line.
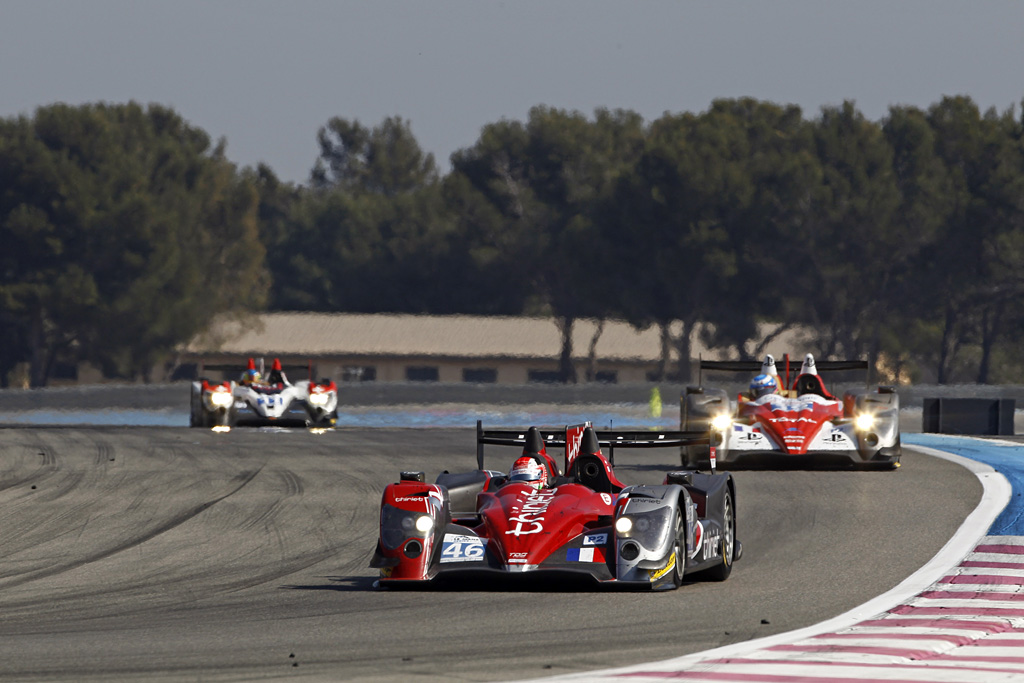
point(679, 550)
point(728, 543)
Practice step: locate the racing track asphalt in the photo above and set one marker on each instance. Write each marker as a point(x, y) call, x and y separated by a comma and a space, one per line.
point(164, 554)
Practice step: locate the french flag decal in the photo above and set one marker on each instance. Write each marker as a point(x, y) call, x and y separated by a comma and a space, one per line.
point(585, 555)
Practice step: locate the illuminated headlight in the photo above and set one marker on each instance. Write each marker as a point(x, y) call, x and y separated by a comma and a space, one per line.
point(721, 422)
point(624, 525)
point(319, 399)
point(864, 422)
point(221, 399)
point(397, 526)
point(422, 524)
point(650, 528)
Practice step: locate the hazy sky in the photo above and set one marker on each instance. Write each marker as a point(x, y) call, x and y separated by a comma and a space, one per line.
point(266, 75)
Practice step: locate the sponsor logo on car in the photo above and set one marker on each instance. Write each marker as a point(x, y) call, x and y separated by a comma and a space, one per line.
point(711, 545)
point(530, 519)
point(431, 496)
point(643, 500)
point(575, 440)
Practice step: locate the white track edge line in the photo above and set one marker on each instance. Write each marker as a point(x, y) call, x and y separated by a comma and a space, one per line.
point(996, 492)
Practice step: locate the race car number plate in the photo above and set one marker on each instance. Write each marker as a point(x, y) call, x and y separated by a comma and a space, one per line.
point(459, 548)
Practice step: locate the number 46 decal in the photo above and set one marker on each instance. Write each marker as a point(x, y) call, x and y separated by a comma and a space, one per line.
point(458, 548)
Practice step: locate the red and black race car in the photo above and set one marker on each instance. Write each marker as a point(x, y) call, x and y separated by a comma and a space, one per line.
point(578, 523)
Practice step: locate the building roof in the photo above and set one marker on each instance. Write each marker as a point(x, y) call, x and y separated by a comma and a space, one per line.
point(380, 334)
point(451, 336)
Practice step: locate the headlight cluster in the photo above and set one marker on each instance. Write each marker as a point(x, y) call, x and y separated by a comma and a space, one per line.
point(221, 399)
point(650, 529)
point(397, 525)
point(864, 422)
point(319, 399)
point(721, 422)
point(625, 525)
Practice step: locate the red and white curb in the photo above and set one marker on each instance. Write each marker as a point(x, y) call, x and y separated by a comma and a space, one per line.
point(967, 627)
point(959, 619)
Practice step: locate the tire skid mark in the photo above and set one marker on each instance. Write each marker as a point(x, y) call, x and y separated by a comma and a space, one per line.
point(46, 467)
point(71, 479)
point(292, 487)
point(242, 479)
point(357, 527)
point(104, 453)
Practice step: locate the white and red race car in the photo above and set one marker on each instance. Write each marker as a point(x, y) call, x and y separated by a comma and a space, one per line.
point(263, 400)
point(801, 423)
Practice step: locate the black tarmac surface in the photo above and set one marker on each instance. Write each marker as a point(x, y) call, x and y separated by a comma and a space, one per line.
point(167, 554)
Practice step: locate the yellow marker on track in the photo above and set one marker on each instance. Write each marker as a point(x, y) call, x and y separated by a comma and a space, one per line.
point(655, 403)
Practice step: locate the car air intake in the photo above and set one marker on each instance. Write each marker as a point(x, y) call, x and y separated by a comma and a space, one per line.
point(629, 551)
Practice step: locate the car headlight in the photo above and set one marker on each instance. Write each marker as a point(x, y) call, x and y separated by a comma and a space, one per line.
point(864, 422)
point(319, 399)
point(650, 529)
point(418, 524)
point(625, 525)
point(397, 525)
point(721, 422)
point(221, 399)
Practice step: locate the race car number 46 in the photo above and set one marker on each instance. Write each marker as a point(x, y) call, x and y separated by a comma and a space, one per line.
point(459, 548)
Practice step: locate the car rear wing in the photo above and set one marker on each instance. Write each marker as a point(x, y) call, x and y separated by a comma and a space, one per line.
point(569, 438)
point(306, 369)
point(754, 366)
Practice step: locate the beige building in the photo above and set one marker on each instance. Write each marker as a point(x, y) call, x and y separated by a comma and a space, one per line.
point(455, 348)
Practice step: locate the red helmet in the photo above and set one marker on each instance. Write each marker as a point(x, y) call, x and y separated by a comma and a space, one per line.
point(527, 470)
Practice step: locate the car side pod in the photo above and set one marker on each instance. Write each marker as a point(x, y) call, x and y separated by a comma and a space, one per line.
point(712, 489)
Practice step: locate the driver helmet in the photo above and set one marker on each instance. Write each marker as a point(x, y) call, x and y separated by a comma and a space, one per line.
point(762, 385)
point(250, 376)
point(528, 471)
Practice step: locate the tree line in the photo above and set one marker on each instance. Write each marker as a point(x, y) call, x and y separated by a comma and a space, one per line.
point(901, 241)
